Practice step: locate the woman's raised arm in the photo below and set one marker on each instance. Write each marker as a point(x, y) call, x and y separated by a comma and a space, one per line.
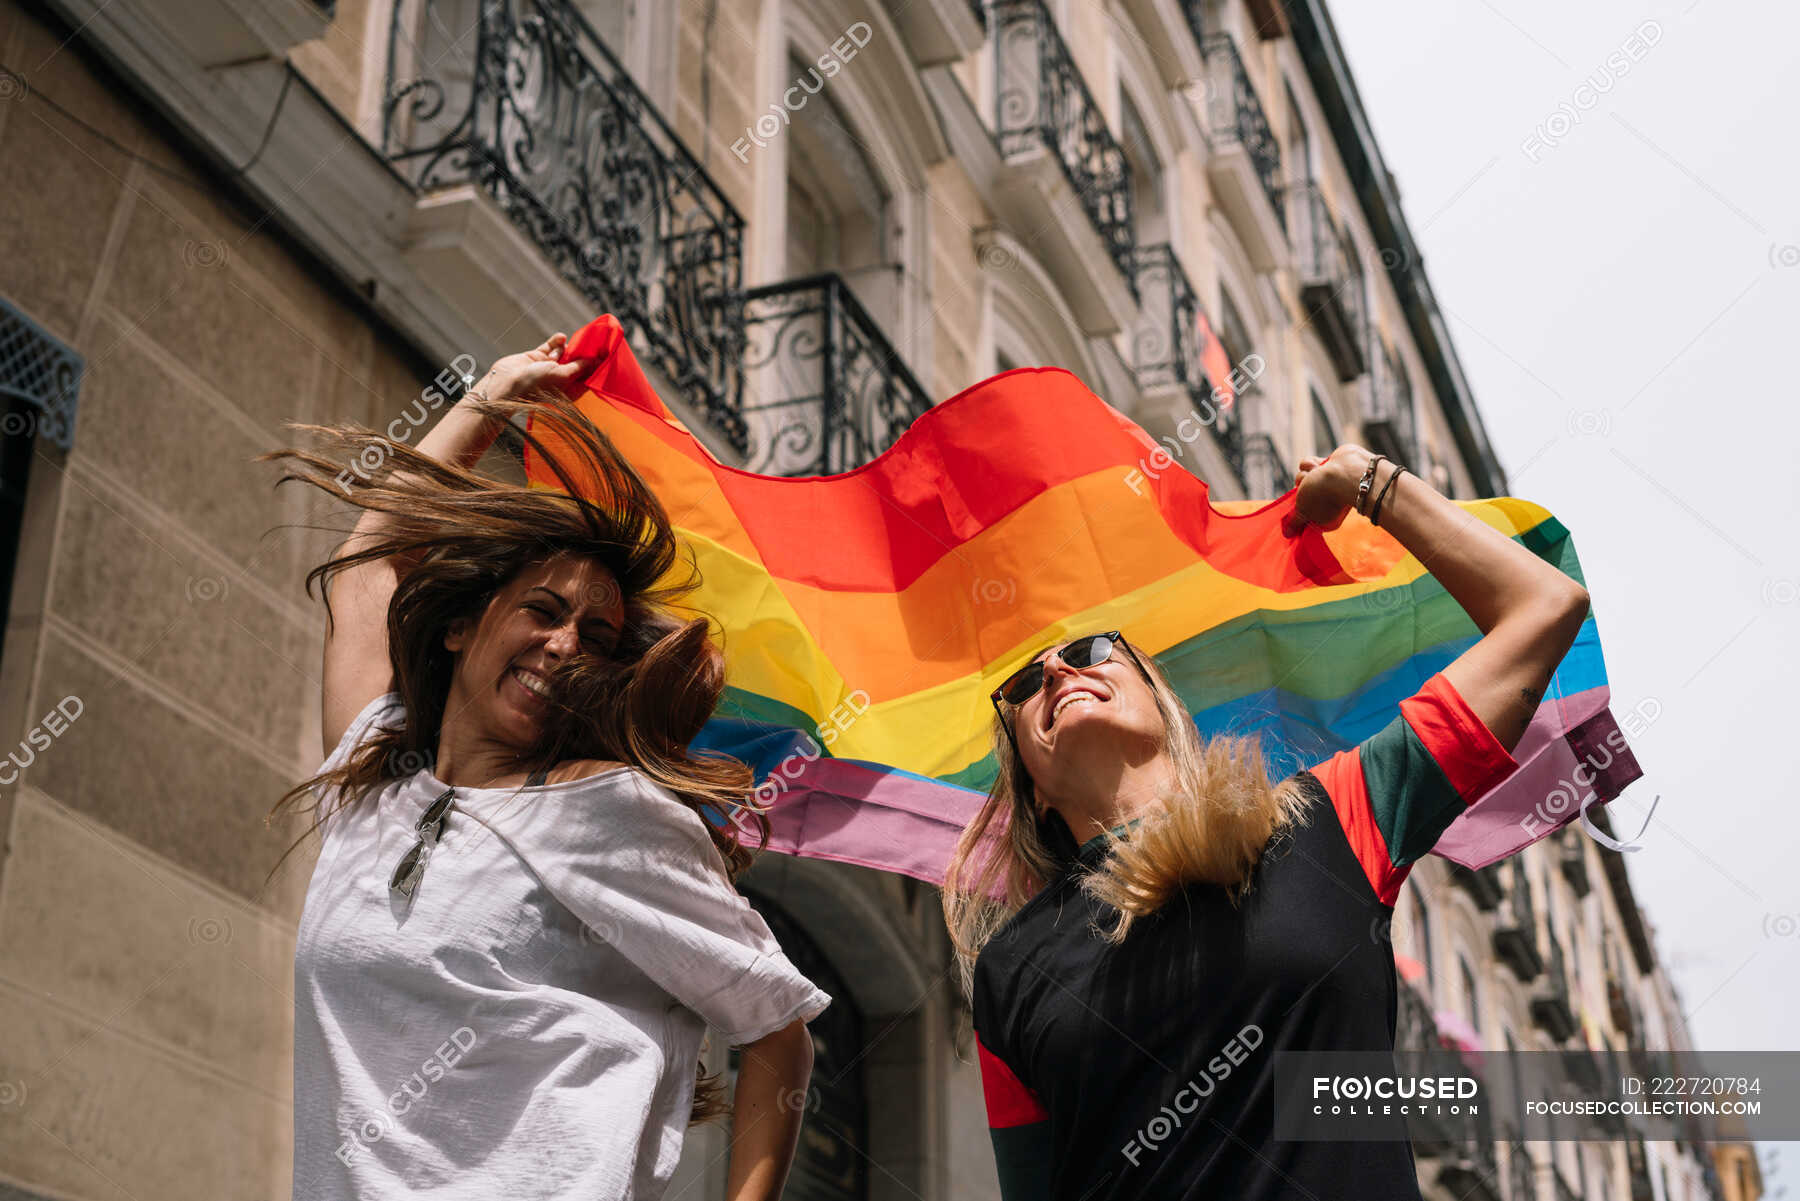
point(1528, 611)
point(357, 668)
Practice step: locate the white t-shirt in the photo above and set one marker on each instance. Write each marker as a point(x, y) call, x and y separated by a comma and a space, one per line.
point(529, 1023)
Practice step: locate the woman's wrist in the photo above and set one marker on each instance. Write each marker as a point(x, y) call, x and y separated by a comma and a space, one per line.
point(1352, 463)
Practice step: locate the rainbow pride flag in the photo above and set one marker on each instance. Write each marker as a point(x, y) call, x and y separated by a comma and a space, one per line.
point(866, 617)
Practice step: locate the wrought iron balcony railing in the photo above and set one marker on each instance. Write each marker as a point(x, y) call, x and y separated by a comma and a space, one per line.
point(1235, 115)
point(1521, 1173)
point(1572, 856)
point(1041, 99)
point(1550, 1008)
point(1637, 1165)
point(824, 391)
point(1481, 883)
point(1515, 929)
point(1388, 408)
point(1263, 472)
point(1331, 280)
point(1618, 1003)
point(1461, 1143)
point(1195, 12)
point(522, 99)
point(1166, 346)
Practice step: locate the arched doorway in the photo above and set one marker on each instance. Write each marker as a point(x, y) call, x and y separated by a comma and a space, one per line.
point(831, 1162)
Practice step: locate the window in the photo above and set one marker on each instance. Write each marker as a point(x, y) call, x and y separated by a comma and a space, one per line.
point(1424, 928)
point(1468, 988)
point(1146, 176)
point(1299, 148)
point(837, 205)
point(1234, 335)
point(1324, 434)
point(1514, 1069)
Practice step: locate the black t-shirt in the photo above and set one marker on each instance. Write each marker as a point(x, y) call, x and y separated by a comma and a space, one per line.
point(1146, 1070)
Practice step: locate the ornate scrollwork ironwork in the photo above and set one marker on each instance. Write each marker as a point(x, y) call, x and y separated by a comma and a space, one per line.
point(1324, 252)
point(1041, 99)
point(1235, 113)
point(1166, 345)
point(1392, 401)
point(825, 392)
point(522, 99)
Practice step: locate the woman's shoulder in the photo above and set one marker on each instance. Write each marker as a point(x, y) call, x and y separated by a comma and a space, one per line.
point(605, 797)
point(581, 771)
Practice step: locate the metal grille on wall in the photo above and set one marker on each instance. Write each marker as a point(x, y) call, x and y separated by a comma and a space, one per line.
point(39, 380)
point(39, 370)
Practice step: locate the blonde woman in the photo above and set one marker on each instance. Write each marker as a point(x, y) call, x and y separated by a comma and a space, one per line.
point(521, 919)
point(1172, 917)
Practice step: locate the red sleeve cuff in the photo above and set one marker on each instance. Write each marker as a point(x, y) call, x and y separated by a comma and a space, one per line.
point(1470, 755)
point(1009, 1101)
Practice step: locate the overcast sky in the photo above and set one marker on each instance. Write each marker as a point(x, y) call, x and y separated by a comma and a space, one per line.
point(1624, 293)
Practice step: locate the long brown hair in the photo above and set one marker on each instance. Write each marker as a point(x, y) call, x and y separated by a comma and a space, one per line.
point(1212, 829)
point(458, 537)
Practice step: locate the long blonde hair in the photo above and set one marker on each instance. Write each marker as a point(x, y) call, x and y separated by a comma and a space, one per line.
point(1212, 829)
point(463, 537)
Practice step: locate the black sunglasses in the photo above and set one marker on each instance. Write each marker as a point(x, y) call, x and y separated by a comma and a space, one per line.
point(1079, 653)
point(430, 825)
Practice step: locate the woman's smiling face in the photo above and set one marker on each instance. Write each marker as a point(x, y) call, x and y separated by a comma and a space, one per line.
point(549, 612)
point(1084, 712)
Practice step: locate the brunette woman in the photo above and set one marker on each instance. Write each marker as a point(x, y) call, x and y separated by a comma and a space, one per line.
point(522, 918)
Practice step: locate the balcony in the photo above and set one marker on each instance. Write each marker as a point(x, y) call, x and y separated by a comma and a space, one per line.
point(1571, 855)
point(1638, 1168)
point(1166, 348)
point(1515, 932)
point(1481, 883)
point(520, 101)
point(1263, 471)
point(1056, 147)
point(1550, 1003)
point(1331, 280)
point(1618, 1004)
point(1195, 12)
point(1462, 1145)
point(1583, 1068)
point(824, 390)
point(1245, 164)
point(1521, 1173)
point(1387, 408)
point(1419, 1050)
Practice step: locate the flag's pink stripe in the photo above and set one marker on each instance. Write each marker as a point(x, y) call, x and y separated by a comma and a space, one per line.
point(891, 821)
point(1546, 792)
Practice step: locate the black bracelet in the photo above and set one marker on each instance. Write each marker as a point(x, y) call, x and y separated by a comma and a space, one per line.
point(1375, 513)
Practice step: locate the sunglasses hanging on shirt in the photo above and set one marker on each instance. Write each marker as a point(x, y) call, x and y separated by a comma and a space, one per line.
point(430, 826)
